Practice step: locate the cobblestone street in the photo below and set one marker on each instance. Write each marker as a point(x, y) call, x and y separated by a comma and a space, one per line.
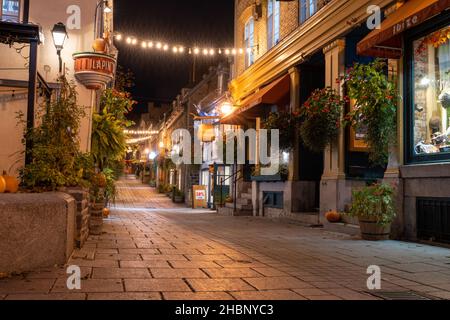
point(152, 249)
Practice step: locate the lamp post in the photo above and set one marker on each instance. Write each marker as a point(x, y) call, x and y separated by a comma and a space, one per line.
point(59, 34)
point(106, 9)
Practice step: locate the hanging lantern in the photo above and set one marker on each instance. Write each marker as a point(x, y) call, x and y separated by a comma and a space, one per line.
point(206, 133)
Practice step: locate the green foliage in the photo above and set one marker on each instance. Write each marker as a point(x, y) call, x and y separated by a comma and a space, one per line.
point(376, 99)
point(108, 138)
point(56, 159)
point(287, 123)
point(179, 193)
point(321, 114)
point(110, 189)
point(376, 201)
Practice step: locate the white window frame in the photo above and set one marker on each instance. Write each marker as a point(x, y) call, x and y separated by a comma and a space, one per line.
point(10, 18)
point(249, 42)
point(308, 8)
point(273, 23)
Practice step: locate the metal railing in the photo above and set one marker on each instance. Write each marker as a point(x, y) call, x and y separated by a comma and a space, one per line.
point(236, 176)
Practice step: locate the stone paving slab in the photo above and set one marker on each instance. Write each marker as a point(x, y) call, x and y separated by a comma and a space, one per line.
point(267, 295)
point(156, 285)
point(197, 296)
point(125, 296)
point(226, 284)
point(177, 254)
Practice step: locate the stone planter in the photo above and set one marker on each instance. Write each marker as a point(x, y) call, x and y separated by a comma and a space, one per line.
point(372, 231)
point(96, 220)
point(178, 199)
point(37, 230)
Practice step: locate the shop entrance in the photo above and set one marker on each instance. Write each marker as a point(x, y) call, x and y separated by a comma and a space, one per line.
point(311, 164)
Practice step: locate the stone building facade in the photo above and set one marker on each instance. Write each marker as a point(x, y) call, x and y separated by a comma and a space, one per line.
point(314, 49)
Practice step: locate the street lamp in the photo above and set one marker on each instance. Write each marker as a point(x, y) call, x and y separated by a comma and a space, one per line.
point(59, 34)
point(226, 108)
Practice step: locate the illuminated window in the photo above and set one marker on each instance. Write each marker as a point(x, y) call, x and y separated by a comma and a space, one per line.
point(10, 10)
point(249, 39)
point(273, 23)
point(309, 7)
point(430, 99)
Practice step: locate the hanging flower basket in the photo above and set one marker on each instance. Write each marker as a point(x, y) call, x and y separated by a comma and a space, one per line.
point(321, 114)
point(287, 123)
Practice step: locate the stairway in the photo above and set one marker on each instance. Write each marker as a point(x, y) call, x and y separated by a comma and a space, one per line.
point(244, 206)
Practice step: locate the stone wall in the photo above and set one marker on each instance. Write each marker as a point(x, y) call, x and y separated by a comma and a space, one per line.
point(36, 231)
point(428, 181)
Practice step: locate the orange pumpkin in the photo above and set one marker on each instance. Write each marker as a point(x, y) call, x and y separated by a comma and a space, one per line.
point(2, 185)
point(333, 216)
point(12, 184)
point(106, 212)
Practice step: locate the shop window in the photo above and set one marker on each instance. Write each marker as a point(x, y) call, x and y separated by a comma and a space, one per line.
point(309, 7)
point(429, 103)
point(10, 10)
point(249, 40)
point(273, 23)
point(273, 200)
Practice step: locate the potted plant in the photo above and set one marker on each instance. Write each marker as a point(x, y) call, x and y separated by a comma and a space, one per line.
point(98, 201)
point(178, 196)
point(375, 99)
point(322, 119)
point(374, 206)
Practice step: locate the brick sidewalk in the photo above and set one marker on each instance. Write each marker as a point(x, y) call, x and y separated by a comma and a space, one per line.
point(152, 249)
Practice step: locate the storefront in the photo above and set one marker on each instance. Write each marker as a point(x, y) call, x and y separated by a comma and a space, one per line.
point(418, 35)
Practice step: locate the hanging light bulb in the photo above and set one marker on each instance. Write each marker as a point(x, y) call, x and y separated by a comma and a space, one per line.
point(227, 52)
point(119, 37)
point(249, 50)
point(134, 42)
point(241, 51)
point(150, 44)
point(175, 49)
point(129, 40)
point(144, 44)
point(159, 45)
point(166, 47)
point(234, 52)
point(220, 51)
point(181, 49)
point(196, 51)
point(211, 52)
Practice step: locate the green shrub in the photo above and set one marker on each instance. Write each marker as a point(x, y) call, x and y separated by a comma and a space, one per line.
point(376, 201)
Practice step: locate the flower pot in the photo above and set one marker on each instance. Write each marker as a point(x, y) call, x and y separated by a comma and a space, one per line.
point(99, 45)
point(372, 231)
point(178, 199)
point(96, 219)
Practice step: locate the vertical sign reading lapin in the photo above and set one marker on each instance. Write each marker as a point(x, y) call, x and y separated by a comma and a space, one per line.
point(199, 197)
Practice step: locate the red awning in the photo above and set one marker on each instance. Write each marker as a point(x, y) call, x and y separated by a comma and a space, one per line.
point(386, 42)
point(271, 94)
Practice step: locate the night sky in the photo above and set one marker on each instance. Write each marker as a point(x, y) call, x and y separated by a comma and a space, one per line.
point(161, 75)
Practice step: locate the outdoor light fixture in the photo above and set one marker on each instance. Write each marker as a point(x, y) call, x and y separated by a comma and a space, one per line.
point(226, 108)
point(59, 34)
point(152, 156)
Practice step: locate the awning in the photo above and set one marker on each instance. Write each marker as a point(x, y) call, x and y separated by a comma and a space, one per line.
point(271, 94)
point(386, 42)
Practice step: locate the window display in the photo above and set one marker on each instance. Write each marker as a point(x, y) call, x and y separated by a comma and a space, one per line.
point(431, 93)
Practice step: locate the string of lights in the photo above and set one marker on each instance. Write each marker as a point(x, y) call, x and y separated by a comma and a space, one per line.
point(140, 132)
point(139, 140)
point(180, 49)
